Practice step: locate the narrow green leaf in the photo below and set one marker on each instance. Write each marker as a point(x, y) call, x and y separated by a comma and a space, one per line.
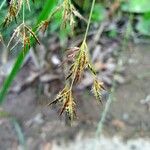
point(19, 132)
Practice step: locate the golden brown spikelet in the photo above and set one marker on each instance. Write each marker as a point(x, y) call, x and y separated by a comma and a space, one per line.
point(23, 33)
point(97, 89)
point(43, 26)
point(70, 109)
point(65, 97)
point(60, 96)
point(81, 62)
point(12, 13)
point(14, 9)
point(69, 106)
point(69, 13)
point(45, 23)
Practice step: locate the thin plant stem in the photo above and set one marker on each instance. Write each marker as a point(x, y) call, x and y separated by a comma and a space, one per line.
point(2, 4)
point(23, 12)
point(106, 109)
point(127, 32)
point(89, 20)
point(23, 22)
point(85, 36)
point(108, 103)
point(19, 132)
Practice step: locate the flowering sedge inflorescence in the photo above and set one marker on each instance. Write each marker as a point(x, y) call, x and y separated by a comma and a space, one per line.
point(13, 10)
point(76, 70)
point(79, 55)
point(81, 61)
point(65, 97)
point(12, 13)
point(97, 88)
point(69, 12)
point(22, 33)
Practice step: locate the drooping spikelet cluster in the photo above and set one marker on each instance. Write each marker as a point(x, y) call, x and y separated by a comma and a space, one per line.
point(69, 12)
point(97, 88)
point(80, 58)
point(23, 34)
point(74, 75)
point(81, 62)
point(76, 70)
point(12, 13)
point(13, 10)
point(66, 99)
point(78, 55)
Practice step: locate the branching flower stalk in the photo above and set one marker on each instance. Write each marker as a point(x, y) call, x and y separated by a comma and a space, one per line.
point(23, 32)
point(76, 70)
point(14, 9)
point(79, 55)
point(69, 12)
point(12, 13)
point(47, 8)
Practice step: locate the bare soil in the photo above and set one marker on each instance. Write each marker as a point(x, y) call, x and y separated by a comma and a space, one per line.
point(128, 117)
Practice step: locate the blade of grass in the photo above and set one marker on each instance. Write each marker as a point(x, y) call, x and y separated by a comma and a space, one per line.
point(20, 134)
point(49, 5)
point(2, 4)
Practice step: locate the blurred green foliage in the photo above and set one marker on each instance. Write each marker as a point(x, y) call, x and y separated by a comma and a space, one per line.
point(98, 13)
point(136, 6)
point(142, 8)
point(143, 25)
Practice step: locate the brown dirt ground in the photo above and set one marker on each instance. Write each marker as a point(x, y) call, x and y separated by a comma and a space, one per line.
point(40, 124)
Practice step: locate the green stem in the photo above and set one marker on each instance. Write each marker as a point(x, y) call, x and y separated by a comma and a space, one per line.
point(85, 36)
point(89, 20)
point(2, 4)
point(105, 112)
point(23, 12)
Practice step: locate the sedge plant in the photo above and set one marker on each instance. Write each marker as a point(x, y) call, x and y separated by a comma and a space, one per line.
point(80, 55)
point(81, 61)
